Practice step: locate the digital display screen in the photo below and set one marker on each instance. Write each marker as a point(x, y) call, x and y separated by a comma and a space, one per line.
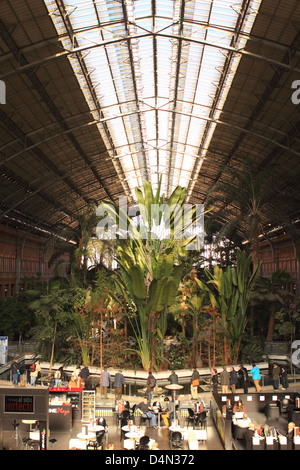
point(18, 404)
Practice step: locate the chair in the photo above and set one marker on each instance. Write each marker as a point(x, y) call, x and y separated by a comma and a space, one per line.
point(284, 405)
point(176, 441)
point(132, 410)
point(144, 443)
point(25, 441)
point(15, 426)
point(272, 411)
point(191, 417)
point(97, 443)
point(123, 415)
point(124, 422)
point(200, 420)
point(102, 422)
point(52, 442)
point(144, 419)
point(32, 445)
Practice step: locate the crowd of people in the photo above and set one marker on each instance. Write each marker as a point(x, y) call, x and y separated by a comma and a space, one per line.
point(228, 379)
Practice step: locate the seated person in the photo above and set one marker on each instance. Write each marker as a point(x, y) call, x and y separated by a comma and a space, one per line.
point(289, 434)
point(156, 407)
point(167, 411)
point(239, 407)
point(144, 409)
point(243, 422)
point(72, 383)
point(198, 407)
point(120, 406)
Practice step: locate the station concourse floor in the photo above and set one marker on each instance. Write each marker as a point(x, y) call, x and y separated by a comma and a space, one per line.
point(160, 434)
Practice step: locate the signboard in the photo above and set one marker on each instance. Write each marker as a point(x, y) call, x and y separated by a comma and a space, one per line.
point(18, 404)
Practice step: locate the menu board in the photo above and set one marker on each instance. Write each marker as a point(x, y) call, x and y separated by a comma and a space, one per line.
point(18, 404)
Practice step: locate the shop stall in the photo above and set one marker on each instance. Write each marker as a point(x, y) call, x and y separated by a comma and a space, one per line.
point(20, 408)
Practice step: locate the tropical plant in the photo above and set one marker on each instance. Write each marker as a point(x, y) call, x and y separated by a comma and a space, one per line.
point(53, 311)
point(151, 260)
point(15, 317)
point(272, 291)
point(189, 306)
point(71, 247)
point(240, 200)
point(231, 292)
point(288, 320)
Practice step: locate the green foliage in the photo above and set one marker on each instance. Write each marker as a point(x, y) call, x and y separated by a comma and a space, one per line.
point(53, 311)
point(177, 354)
point(74, 241)
point(151, 267)
point(240, 199)
point(231, 293)
point(252, 349)
point(15, 317)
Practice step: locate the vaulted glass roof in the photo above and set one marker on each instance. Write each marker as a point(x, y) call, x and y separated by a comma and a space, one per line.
point(156, 76)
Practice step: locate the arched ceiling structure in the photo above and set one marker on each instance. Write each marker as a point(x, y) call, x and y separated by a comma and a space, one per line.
point(101, 95)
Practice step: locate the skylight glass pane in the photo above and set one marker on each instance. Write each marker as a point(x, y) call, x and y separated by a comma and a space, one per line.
point(155, 79)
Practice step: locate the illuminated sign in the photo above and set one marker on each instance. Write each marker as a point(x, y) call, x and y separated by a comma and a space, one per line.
point(18, 404)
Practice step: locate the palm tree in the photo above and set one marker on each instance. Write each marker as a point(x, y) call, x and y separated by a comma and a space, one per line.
point(76, 242)
point(53, 311)
point(241, 199)
point(273, 291)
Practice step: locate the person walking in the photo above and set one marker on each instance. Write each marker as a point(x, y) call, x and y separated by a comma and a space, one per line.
point(256, 377)
point(151, 383)
point(15, 370)
point(195, 384)
point(214, 380)
point(104, 382)
point(243, 373)
point(85, 373)
point(58, 376)
point(233, 379)
point(173, 378)
point(224, 380)
point(118, 383)
point(35, 369)
point(284, 378)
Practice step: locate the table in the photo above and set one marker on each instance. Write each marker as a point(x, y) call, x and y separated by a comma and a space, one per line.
point(95, 428)
point(87, 437)
point(133, 434)
point(29, 421)
point(77, 444)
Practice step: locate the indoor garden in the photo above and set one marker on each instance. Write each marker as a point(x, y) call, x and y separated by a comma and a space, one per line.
point(137, 291)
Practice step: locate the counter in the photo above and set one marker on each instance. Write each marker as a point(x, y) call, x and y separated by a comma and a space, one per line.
point(64, 408)
point(60, 417)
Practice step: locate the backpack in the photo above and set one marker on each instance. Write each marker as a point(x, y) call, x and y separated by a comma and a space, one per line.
point(152, 381)
point(32, 368)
